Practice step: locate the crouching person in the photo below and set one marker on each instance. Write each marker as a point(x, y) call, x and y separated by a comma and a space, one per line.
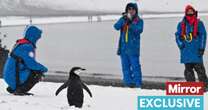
point(22, 71)
point(130, 26)
point(191, 39)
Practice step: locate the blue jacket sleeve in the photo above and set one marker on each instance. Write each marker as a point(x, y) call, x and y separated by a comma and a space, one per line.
point(137, 28)
point(203, 35)
point(119, 24)
point(30, 62)
point(178, 36)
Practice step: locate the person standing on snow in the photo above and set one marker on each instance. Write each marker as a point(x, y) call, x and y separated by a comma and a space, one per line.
point(22, 71)
point(191, 39)
point(130, 26)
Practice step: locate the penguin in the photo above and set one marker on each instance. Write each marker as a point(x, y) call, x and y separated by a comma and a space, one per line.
point(75, 88)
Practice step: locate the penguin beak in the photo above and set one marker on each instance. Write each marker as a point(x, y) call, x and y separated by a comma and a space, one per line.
point(79, 71)
point(83, 69)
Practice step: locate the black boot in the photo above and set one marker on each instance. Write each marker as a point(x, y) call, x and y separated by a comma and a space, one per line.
point(19, 92)
point(9, 89)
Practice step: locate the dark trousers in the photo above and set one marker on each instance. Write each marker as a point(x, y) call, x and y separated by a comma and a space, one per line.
point(200, 70)
point(33, 79)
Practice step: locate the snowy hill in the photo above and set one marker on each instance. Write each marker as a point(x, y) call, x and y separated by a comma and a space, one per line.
point(91, 7)
point(104, 98)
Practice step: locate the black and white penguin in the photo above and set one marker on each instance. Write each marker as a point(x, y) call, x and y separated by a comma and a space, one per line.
point(75, 88)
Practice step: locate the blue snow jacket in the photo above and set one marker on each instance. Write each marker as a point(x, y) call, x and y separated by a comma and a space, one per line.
point(27, 53)
point(132, 47)
point(129, 42)
point(189, 49)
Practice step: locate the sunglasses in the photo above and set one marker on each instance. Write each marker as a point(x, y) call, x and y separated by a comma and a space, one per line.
point(190, 14)
point(131, 8)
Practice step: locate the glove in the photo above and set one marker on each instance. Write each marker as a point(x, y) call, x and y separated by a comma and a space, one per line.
point(37, 72)
point(201, 52)
point(124, 14)
point(127, 17)
point(38, 75)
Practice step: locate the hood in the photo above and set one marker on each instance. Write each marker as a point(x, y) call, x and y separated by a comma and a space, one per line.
point(32, 33)
point(133, 5)
point(189, 7)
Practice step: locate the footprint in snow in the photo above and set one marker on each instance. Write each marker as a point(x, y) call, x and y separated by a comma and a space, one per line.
point(2, 102)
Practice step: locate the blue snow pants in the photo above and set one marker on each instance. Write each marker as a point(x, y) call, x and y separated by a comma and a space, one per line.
point(132, 74)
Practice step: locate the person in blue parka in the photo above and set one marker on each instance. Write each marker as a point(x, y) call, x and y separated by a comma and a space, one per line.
point(130, 26)
point(22, 71)
point(191, 39)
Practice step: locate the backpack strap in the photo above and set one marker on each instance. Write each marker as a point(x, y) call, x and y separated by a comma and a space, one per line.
point(18, 60)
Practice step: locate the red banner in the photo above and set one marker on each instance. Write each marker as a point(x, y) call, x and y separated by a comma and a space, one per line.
point(184, 88)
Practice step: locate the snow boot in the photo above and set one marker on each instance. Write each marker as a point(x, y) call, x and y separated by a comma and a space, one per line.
point(19, 92)
point(9, 89)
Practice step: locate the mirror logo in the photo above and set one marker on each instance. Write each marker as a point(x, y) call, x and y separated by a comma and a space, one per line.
point(179, 96)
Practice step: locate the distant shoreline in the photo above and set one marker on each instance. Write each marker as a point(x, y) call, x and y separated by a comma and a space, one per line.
point(25, 20)
point(64, 14)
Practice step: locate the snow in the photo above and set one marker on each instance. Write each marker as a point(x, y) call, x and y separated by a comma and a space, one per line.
point(91, 7)
point(104, 98)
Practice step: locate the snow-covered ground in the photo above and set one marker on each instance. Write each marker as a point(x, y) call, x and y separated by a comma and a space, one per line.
point(91, 7)
point(104, 98)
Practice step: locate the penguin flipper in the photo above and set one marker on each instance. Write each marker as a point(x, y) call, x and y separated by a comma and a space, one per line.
point(62, 87)
point(87, 89)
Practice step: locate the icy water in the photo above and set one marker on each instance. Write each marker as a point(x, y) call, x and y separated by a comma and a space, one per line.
point(94, 45)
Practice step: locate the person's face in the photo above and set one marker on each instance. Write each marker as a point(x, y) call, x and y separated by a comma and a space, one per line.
point(132, 11)
point(190, 12)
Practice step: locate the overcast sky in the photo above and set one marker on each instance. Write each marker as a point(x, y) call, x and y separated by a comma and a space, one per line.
point(73, 7)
